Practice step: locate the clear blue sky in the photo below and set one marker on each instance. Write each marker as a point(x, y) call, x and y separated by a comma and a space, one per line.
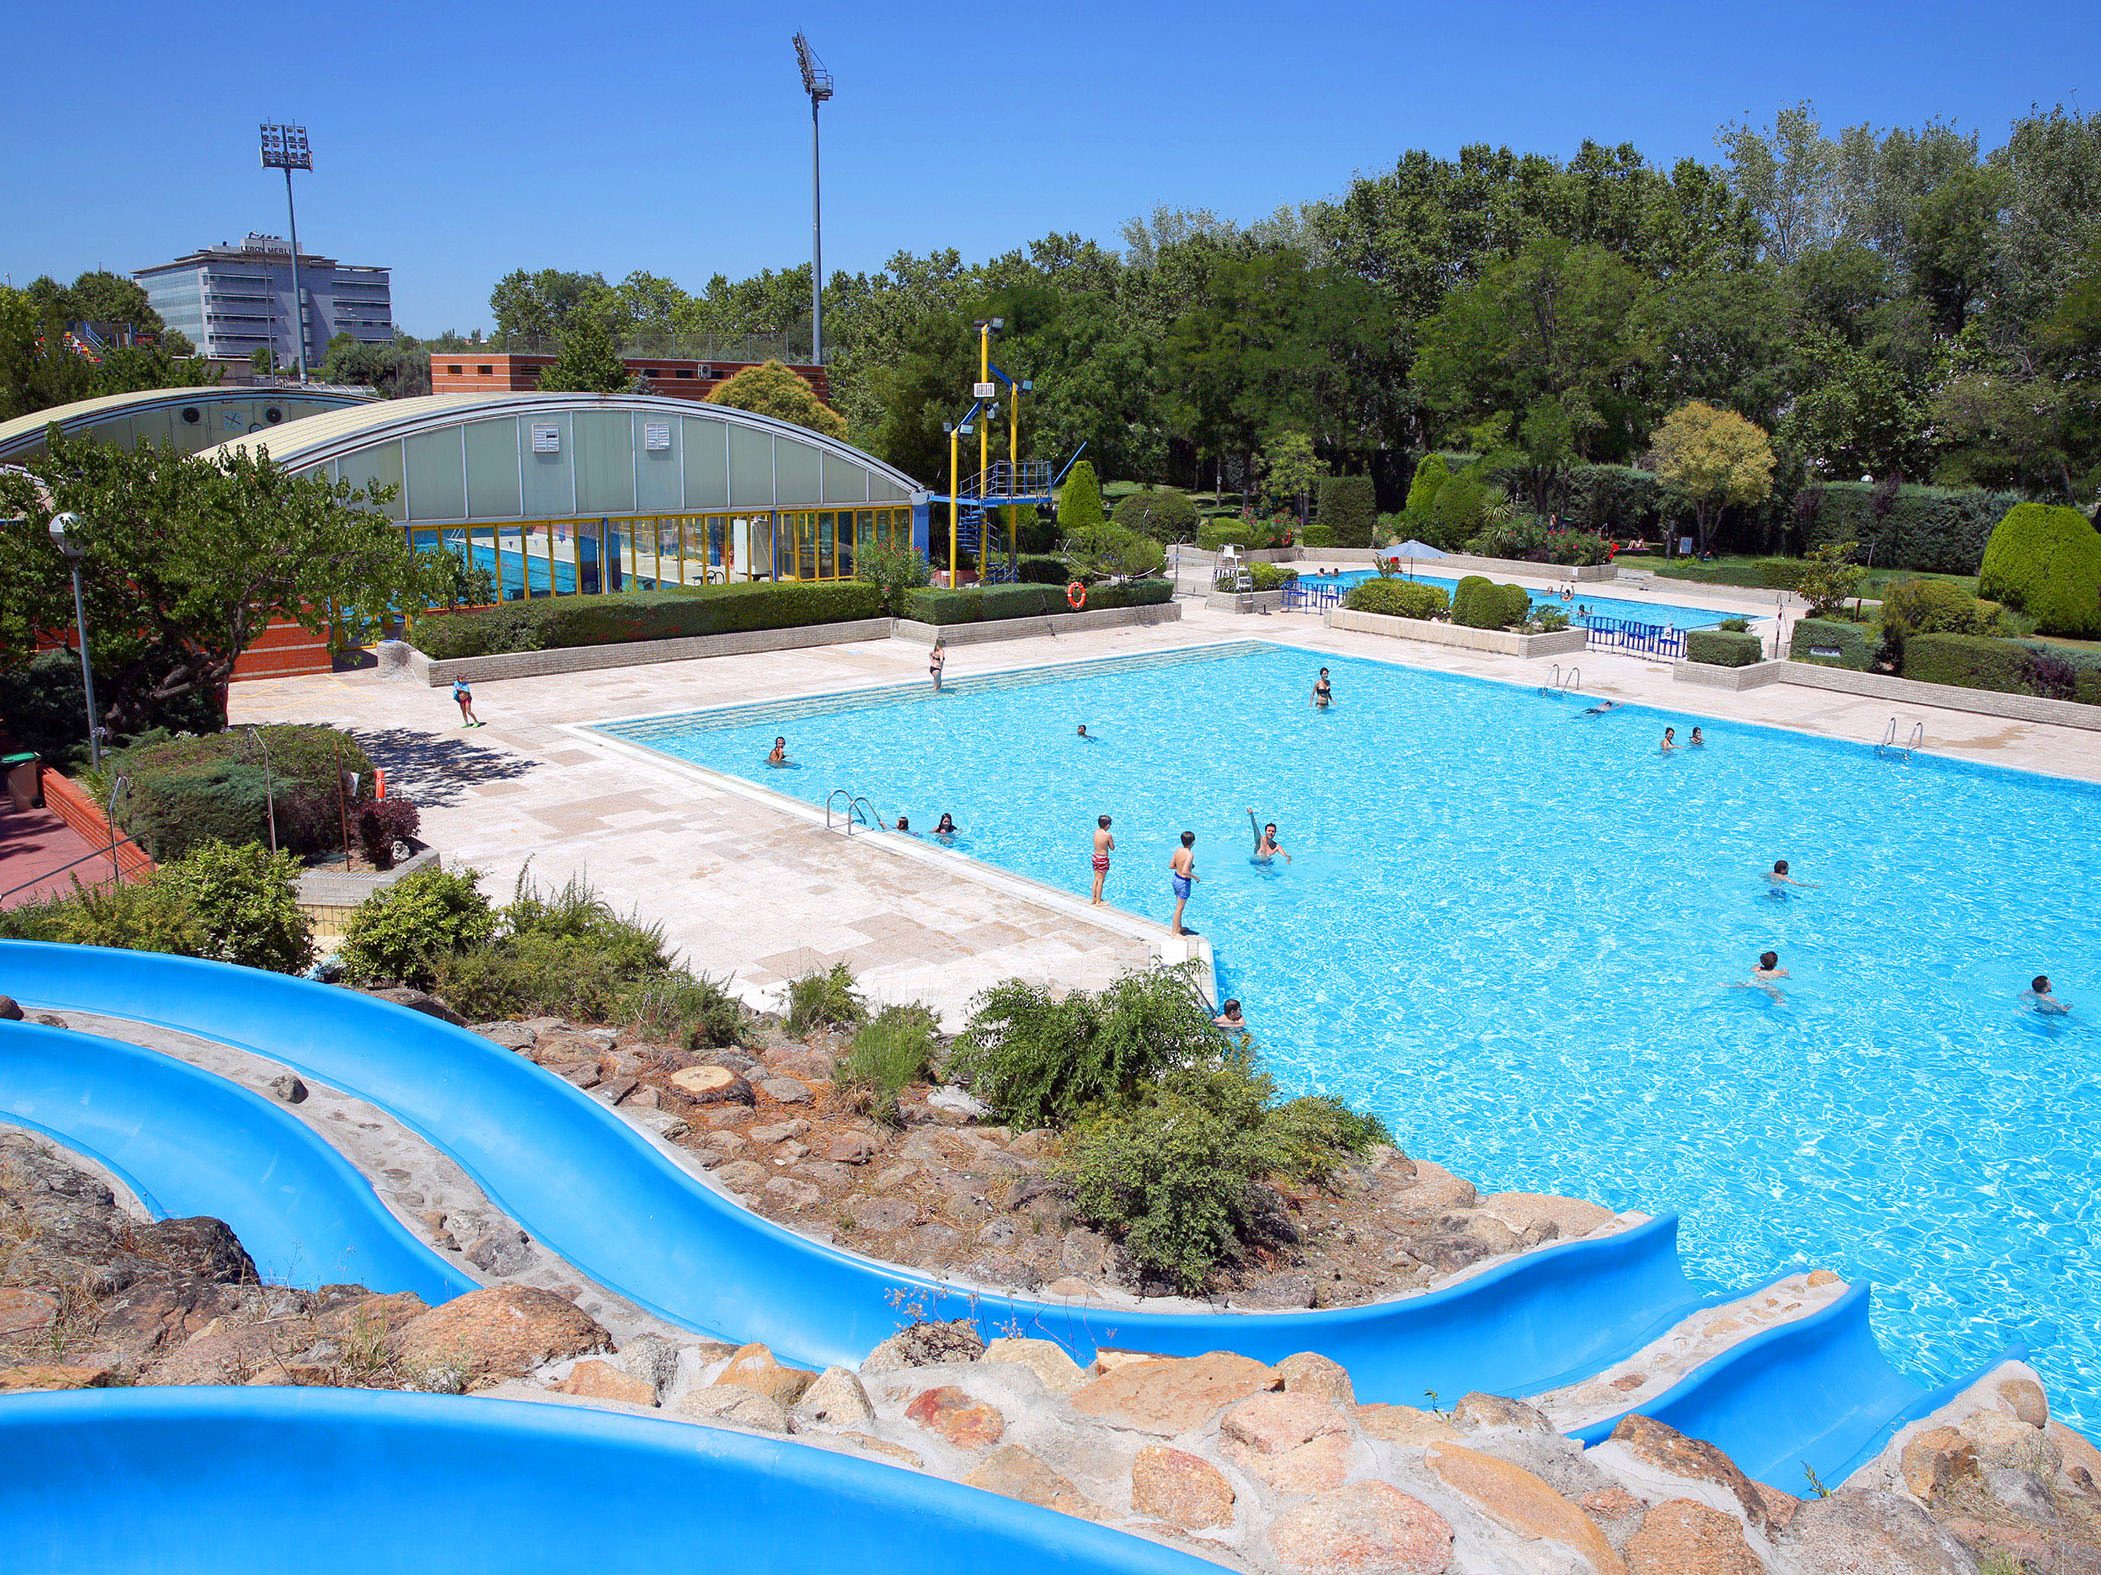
point(455, 141)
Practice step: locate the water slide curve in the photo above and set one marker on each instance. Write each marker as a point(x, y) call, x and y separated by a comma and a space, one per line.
point(186, 1142)
point(349, 1482)
point(597, 1192)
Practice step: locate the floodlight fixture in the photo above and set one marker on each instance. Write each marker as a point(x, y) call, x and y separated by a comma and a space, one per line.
point(285, 148)
point(817, 82)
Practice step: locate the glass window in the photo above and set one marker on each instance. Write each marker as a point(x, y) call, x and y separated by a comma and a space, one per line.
point(827, 564)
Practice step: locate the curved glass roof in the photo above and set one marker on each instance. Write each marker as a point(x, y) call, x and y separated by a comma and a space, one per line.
point(158, 414)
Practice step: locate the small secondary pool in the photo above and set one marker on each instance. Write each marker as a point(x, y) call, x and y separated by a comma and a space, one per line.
point(1659, 614)
point(1513, 930)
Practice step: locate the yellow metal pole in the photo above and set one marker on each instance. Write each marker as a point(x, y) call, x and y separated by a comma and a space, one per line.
point(953, 461)
point(984, 437)
point(1014, 465)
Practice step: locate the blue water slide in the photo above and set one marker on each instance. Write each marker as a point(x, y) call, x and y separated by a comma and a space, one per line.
point(186, 1142)
point(1806, 1402)
point(356, 1482)
point(593, 1189)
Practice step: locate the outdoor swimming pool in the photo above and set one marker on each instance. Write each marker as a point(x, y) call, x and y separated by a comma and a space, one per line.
point(1663, 614)
point(1512, 929)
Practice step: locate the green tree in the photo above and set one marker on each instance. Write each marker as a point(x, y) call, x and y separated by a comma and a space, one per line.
point(39, 370)
point(773, 389)
point(99, 296)
point(185, 562)
point(585, 362)
point(398, 369)
point(1713, 458)
point(532, 309)
point(264, 360)
point(1290, 469)
point(1080, 500)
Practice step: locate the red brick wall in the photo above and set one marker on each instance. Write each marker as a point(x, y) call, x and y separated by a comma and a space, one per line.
point(66, 799)
point(284, 650)
point(520, 373)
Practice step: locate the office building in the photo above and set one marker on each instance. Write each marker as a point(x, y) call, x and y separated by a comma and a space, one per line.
point(233, 300)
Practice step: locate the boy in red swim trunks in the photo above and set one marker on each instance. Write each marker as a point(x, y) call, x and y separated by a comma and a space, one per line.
point(1103, 843)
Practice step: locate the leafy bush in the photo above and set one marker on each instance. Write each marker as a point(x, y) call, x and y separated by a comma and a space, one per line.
point(1616, 499)
point(1914, 607)
point(1040, 1061)
point(401, 931)
point(682, 1008)
point(560, 622)
point(1734, 625)
point(1853, 642)
point(1723, 647)
point(215, 788)
point(1398, 599)
point(1270, 576)
point(1772, 574)
point(1112, 551)
point(1317, 535)
point(147, 917)
point(2046, 561)
point(1828, 577)
point(1041, 569)
point(382, 822)
point(1480, 603)
point(893, 570)
point(891, 1052)
point(1080, 500)
point(1452, 508)
point(2015, 667)
point(244, 902)
point(1547, 619)
point(991, 602)
point(1177, 1175)
point(1163, 513)
point(1349, 509)
point(825, 999)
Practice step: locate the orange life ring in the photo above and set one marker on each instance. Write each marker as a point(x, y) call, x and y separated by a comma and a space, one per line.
point(1076, 595)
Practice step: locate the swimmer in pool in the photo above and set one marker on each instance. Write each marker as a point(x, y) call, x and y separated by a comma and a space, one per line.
point(1697, 740)
point(1763, 975)
point(1229, 1018)
point(1778, 880)
point(904, 825)
point(2038, 996)
point(1323, 691)
point(945, 828)
point(1601, 708)
point(1087, 736)
point(1267, 846)
point(779, 757)
point(1670, 740)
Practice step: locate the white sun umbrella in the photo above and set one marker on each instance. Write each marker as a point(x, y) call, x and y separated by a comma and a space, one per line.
point(1413, 549)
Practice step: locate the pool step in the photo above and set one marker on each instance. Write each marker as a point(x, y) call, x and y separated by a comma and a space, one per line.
point(1686, 1347)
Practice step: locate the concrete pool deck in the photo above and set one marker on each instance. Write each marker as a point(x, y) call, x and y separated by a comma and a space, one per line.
point(752, 887)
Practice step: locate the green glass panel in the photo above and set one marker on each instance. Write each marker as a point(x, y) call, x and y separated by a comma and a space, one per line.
point(550, 478)
point(605, 461)
point(492, 470)
point(656, 469)
point(751, 468)
point(382, 464)
point(798, 472)
point(437, 481)
point(707, 464)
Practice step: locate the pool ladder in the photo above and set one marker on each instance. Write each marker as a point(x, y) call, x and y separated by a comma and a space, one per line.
point(854, 808)
point(1556, 684)
point(1890, 749)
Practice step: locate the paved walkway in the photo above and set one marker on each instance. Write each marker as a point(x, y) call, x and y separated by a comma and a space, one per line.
point(35, 846)
point(748, 888)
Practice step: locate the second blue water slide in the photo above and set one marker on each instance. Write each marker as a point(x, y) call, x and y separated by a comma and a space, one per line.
point(594, 1190)
point(186, 1142)
point(356, 1482)
point(1839, 1401)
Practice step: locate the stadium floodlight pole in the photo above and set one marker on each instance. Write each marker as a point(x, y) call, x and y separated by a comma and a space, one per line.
point(285, 148)
point(817, 82)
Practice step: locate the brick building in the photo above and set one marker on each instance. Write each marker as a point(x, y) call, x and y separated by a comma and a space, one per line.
point(478, 370)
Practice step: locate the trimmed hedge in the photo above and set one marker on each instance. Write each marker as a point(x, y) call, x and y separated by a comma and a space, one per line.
point(188, 791)
point(2014, 667)
point(1855, 643)
point(991, 603)
point(1617, 499)
point(1041, 569)
point(1398, 599)
point(2046, 560)
point(1942, 529)
point(1772, 574)
point(1480, 603)
point(558, 623)
point(1348, 507)
point(1723, 647)
point(1317, 535)
point(1162, 513)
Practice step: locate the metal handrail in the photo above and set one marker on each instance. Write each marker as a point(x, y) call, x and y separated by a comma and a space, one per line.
point(116, 875)
point(856, 804)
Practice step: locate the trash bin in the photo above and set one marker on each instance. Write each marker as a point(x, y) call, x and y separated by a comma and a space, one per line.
point(23, 789)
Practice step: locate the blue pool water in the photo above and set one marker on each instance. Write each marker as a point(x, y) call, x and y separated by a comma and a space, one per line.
point(1664, 614)
point(1512, 930)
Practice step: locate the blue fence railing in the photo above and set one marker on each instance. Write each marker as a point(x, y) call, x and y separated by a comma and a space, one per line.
point(1643, 639)
point(1301, 597)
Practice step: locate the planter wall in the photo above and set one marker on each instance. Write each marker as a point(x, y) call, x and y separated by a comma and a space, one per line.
point(1562, 642)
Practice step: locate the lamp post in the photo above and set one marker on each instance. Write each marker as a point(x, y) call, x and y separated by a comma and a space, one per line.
point(817, 82)
point(285, 148)
point(61, 528)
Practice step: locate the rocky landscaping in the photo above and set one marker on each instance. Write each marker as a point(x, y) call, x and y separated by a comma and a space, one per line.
point(1257, 1467)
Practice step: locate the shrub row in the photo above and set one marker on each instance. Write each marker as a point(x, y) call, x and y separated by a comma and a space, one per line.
point(991, 603)
point(1722, 647)
point(1398, 599)
point(1480, 603)
point(558, 623)
point(1940, 529)
point(1348, 508)
point(1856, 643)
point(2015, 667)
point(184, 792)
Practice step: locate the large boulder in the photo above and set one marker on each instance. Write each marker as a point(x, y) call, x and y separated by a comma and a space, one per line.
point(500, 1332)
point(199, 1245)
point(1518, 1501)
point(926, 1345)
point(1182, 1489)
point(1170, 1395)
point(1684, 1537)
point(1297, 1443)
point(958, 1416)
point(1871, 1533)
point(1663, 1448)
point(1367, 1528)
